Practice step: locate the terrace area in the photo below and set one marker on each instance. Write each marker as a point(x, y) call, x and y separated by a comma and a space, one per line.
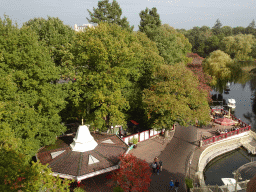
point(222, 125)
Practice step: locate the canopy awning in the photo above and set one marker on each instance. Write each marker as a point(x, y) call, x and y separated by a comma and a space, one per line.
point(225, 121)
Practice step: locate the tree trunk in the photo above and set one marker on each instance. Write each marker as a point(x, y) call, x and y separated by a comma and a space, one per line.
point(167, 133)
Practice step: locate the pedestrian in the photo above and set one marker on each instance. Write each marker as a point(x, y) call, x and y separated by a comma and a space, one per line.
point(154, 167)
point(171, 184)
point(156, 159)
point(157, 168)
point(161, 165)
point(176, 185)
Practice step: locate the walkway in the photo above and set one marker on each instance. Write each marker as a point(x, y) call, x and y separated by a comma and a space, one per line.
point(174, 156)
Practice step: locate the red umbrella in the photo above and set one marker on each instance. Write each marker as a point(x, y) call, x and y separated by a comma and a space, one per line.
point(224, 121)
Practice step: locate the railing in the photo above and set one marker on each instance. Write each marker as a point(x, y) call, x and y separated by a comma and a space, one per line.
point(144, 135)
point(228, 134)
point(224, 136)
point(211, 188)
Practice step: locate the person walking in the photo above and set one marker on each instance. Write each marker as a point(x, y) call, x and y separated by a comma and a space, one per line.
point(157, 168)
point(161, 165)
point(154, 167)
point(171, 184)
point(176, 185)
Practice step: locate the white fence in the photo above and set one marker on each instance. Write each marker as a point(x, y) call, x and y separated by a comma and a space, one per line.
point(142, 136)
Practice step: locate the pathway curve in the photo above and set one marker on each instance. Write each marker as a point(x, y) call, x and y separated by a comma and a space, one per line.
point(174, 155)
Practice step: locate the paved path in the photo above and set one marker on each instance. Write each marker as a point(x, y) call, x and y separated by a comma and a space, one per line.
point(173, 154)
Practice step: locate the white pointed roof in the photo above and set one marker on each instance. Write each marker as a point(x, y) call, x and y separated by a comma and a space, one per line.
point(92, 160)
point(83, 141)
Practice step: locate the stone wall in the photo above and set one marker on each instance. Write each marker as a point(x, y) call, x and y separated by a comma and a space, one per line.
point(219, 148)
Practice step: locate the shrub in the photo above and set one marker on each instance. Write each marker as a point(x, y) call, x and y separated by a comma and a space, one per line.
point(189, 182)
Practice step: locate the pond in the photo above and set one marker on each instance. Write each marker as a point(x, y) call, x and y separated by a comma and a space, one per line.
point(223, 166)
point(243, 90)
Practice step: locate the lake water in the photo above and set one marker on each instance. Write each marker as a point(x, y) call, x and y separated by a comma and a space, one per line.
point(224, 165)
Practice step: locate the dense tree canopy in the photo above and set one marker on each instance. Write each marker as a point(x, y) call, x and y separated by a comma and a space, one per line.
point(149, 22)
point(174, 97)
point(18, 175)
point(30, 103)
point(218, 65)
point(109, 61)
point(58, 38)
point(226, 30)
point(238, 46)
point(110, 13)
point(238, 30)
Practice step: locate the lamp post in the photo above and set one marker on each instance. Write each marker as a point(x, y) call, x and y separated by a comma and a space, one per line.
point(189, 166)
point(237, 176)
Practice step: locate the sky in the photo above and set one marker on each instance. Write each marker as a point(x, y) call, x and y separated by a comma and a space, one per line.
point(179, 14)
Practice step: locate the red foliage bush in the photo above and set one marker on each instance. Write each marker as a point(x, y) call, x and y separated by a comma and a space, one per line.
point(133, 175)
point(197, 68)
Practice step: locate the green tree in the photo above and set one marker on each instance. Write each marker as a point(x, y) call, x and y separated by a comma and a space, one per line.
point(174, 97)
point(251, 28)
point(238, 30)
point(56, 36)
point(211, 44)
point(217, 27)
point(252, 24)
point(172, 46)
point(218, 65)
point(108, 60)
point(150, 61)
point(149, 22)
point(109, 12)
point(226, 30)
point(197, 38)
point(30, 101)
point(18, 175)
point(238, 46)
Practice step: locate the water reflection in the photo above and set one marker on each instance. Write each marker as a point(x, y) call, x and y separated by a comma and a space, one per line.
point(243, 90)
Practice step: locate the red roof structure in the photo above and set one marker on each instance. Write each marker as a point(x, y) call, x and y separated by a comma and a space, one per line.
point(71, 164)
point(225, 121)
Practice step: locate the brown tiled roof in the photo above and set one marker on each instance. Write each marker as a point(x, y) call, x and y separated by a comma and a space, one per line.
point(76, 163)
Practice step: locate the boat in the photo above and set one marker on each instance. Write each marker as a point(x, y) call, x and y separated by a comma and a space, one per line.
point(227, 87)
point(231, 184)
point(232, 103)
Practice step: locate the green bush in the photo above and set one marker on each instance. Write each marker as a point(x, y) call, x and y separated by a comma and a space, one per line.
point(189, 182)
point(134, 141)
point(79, 189)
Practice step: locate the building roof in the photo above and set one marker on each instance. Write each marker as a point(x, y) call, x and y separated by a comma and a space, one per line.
point(76, 165)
